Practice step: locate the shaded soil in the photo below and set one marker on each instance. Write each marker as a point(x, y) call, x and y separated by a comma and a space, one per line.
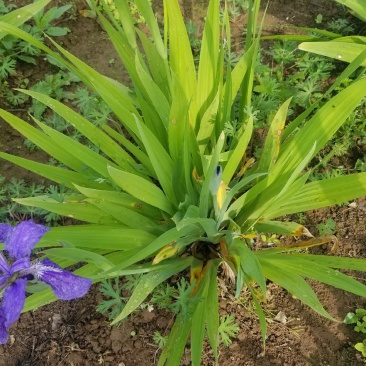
point(73, 333)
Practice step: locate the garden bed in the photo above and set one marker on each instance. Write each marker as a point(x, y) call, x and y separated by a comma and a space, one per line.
point(74, 333)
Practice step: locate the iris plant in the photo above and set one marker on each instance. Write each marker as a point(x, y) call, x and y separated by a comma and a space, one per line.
point(18, 269)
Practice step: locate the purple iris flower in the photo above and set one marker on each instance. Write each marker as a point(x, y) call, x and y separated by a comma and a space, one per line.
point(14, 274)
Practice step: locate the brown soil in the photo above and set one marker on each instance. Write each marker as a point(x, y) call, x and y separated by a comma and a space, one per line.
point(73, 333)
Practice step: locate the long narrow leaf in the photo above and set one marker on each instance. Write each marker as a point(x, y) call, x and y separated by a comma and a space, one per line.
point(41, 140)
point(79, 210)
point(20, 16)
point(324, 193)
point(59, 175)
point(110, 237)
point(141, 189)
point(147, 284)
point(294, 284)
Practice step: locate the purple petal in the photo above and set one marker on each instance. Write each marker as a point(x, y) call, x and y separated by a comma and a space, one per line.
point(5, 229)
point(64, 284)
point(4, 266)
point(20, 265)
point(4, 280)
point(13, 301)
point(3, 332)
point(23, 238)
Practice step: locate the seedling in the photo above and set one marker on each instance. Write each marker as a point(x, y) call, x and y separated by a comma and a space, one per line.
point(228, 329)
point(326, 228)
point(359, 319)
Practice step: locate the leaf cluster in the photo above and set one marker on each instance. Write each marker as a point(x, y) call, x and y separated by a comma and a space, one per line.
point(167, 189)
point(13, 49)
point(17, 188)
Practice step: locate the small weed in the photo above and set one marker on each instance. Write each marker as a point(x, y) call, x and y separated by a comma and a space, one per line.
point(359, 319)
point(159, 339)
point(227, 329)
point(301, 218)
point(341, 26)
point(236, 8)
point(18, 188)
point(193, 39)
point(178, 299)
point(270, 240)
point(114, 303)
point(13, 49)
point(326, 228)
point(319, 19)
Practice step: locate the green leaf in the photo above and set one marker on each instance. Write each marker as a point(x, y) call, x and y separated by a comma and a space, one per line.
point(320, 128)
point(338, 50)
point(147, 284)
point(249, 263)
point(122, 199)
point(199, 320)
point(271, 147)
point(156, 97)
point(361, 347)
point(181, 58)
point(126, 216)
point(358, 6)
point(160, 160)
point(261, 315)
point(208, 81)
point(42, 141)
point(240, 70)
point(173, 350)
point(351, 318)
point(19, 16)
point(324, 193)
point(60, 11)
point(147, 12)
point(281, 227)
point(227, 329)
point(294, 284)
point(299, 264)
point(212, 307)
point(131, 147)
point(109, 90)
point(80, 210)
point(141, 189)
point(324, 260)
point(79, 255)
point(211, 170)
point(237, 154)
point(225, 212)
point(158, 64)
point(57, 31)
point(164, 239)
point(86, 155)
point(178, 121)
point(207, 123)
point(93, 133)
point(59, 175)
point(109, 237)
